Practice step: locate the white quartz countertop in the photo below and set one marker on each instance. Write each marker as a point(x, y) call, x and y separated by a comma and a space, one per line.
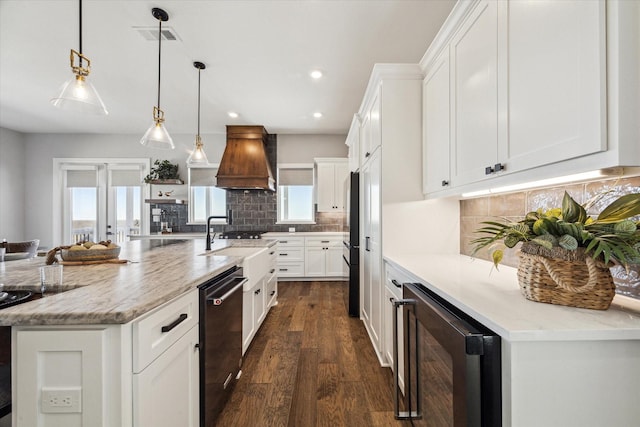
point(118, 293)
point(493, 298)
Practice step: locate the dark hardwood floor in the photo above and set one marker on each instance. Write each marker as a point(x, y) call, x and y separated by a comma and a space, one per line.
point(311, 365)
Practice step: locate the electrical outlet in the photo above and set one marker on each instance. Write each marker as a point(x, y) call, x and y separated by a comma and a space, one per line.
point(292, 229)
point(58, 400)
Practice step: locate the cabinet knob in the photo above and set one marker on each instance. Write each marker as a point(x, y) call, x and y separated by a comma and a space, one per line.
point(367, 154)
point(445, 182)
point(499, 167)
point(488, 170)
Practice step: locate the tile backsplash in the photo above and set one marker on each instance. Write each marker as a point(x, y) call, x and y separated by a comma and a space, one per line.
point(514, 206)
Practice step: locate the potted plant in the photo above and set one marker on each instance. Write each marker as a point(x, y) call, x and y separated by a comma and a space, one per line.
point(163, 172)
point(566, 255)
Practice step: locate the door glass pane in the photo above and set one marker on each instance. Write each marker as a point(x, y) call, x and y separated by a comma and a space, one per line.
point(84, 213)
point(128, 213)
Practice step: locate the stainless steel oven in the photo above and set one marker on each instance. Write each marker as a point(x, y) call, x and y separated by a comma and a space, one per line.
point(452, 364)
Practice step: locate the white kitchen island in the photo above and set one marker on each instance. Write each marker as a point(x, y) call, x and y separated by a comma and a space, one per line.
point(561, 366)
point(96, 354)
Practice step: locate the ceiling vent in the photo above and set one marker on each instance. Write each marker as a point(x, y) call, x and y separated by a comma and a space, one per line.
point(151, 33)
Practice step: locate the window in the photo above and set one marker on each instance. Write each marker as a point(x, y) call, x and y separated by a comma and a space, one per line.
point(295, 193)
point(99, 199)
point(205, 199)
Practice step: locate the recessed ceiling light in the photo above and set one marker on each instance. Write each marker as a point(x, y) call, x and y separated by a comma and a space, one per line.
point(316, 74)
point(233, 115)
point(317, 115)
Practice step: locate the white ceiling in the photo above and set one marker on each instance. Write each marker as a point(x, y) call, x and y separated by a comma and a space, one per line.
point(258, 55)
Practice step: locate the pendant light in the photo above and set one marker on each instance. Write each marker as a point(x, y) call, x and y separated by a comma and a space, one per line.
point(198, 156)
point(157, 136)
point(77, 94)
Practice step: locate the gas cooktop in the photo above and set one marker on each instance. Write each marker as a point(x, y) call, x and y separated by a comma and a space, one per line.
point(240, 235)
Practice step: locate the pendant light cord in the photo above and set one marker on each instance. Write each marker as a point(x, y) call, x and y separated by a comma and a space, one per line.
point(199, 101)
point(159, 57)
point(80, 30)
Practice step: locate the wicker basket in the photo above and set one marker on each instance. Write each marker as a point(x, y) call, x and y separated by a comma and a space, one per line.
point(563, 277)
point(90, 255)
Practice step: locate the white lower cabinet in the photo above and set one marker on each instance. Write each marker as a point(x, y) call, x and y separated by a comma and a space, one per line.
point(136, 374)
point(166, 392)
point(323, 257)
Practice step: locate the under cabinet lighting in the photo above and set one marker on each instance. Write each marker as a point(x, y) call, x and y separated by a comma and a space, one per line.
point(585, 176)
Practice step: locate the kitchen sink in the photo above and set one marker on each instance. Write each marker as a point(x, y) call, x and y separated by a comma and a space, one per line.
point(255, 263)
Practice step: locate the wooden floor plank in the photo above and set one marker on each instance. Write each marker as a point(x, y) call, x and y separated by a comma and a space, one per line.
point(303, 404)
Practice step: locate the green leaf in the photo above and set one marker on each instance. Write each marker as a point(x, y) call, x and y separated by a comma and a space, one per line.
point(568, 242)
point(625, 228)
point(497, 257)
point(572, 211)
point(511, 240)
point(623, 208)
point(540, 240)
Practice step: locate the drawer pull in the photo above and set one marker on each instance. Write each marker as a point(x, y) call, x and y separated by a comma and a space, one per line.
point(284, 254)
point(284, 269)
point(175, 323)
point(284, 241)
point(395, 282)
point(325, 241)
point(272, 252)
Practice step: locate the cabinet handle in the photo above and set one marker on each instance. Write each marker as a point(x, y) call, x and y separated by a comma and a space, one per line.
point(445, 182)
point(257, 292)
point(488, 170)
point(366, 244)
point(272, 252)
point(499, 167)
point(284, 269)
point(283, 254)
point(272, 293)
point(367, 154)
point(324, 241)
point(272, 271)
point(175, 323)
point(284, 241)
point(395, 282)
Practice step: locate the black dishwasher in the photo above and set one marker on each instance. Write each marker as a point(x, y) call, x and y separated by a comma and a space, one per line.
point(220, 341)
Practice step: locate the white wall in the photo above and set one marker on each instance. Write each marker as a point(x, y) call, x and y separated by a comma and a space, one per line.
point(426, 226)
point(304, 148)
point(12, 186)
point(40, 149)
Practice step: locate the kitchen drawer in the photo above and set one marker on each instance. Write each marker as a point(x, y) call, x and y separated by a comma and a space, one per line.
point(394, 280)
point(290, 241)
point(149, 340)
point(290, 254)
point(323, 242)
point(290, 269)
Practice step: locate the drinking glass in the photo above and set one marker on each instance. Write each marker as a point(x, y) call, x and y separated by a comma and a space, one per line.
point(50, 278)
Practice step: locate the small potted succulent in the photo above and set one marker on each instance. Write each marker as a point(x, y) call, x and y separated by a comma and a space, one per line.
point(163, 172)
point(566, 255)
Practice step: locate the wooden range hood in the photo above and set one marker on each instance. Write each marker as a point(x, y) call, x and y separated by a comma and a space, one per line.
point(244, 164)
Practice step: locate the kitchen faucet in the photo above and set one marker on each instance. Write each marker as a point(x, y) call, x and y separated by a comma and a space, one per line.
point(229, 222)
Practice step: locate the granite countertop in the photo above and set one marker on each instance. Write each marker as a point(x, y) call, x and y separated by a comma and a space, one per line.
point(493, 298)
point(159, 271)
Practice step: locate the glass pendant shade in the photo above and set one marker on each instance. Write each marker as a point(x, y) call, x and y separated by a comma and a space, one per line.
point(198, 156)
point(157, 137)
point(78, 95)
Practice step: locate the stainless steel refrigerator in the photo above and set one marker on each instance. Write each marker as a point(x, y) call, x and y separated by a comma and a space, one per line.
point(351, 252)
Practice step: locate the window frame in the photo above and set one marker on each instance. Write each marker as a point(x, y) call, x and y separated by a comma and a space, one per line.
point(281, 193)
point(208, 196)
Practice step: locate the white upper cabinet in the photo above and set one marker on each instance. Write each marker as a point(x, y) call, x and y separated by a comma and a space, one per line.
point(372, 137)
point(436, 125)
point(474, 89)
point(556, 80)
point(353, 142)
point(534, 89)
point(331, 175)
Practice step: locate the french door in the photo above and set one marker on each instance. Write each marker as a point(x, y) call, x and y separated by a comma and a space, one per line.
point(99, 199)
